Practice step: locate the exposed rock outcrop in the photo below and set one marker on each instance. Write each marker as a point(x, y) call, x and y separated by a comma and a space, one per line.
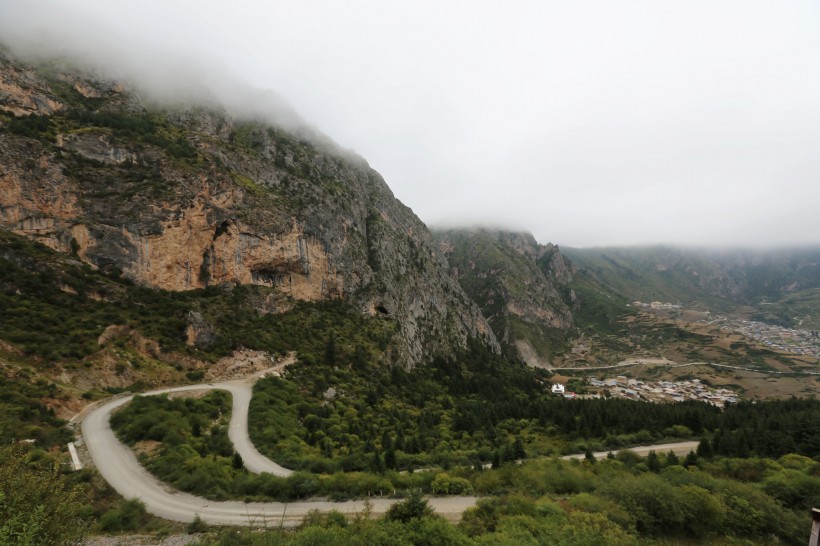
point(523, 288)
point(186, 199)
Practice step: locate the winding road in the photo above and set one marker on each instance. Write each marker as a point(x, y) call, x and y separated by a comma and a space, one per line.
point(120, 468)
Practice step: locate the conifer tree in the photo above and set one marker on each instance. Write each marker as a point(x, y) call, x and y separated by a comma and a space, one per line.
point(652, 462)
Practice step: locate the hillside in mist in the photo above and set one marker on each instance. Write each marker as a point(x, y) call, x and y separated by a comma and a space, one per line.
point(189, 197)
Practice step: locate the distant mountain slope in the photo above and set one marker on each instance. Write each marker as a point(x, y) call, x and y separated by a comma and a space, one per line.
point(718, 278)
point(523, 288)
point(187, 198)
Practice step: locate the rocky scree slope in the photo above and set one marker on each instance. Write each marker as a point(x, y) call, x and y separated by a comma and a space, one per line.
point(523, 288)
point(187, 198)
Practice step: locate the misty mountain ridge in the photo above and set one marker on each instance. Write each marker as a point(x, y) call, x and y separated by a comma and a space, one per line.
point(183, 199)
point(717, 276)
point(190, 197)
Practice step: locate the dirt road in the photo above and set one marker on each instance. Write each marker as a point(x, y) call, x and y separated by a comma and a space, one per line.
point(679, 448)
point(120, 468)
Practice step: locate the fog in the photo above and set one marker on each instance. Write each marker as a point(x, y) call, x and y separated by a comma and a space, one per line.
point(586, 123)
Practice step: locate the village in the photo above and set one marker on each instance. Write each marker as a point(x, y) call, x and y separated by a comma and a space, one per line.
point(653, 391)
point(791, 340)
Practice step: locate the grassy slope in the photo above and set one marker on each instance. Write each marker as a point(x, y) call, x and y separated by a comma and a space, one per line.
point(652, 273)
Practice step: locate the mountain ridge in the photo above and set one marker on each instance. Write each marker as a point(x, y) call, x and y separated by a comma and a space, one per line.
point(718, 276)
point(185, 199)
point(522, 287)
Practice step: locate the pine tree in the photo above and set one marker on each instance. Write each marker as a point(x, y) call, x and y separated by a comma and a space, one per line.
point(496, 459)
point(390, 462)
point(652, 462)
point(705, 449)
point(330, 351)
point(377, 463)
point(518, 449)
point(690, 460)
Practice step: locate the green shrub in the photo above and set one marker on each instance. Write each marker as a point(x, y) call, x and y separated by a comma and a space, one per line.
point(415, 506)
point(37, 505)
point(451, 485)
point(130, 515)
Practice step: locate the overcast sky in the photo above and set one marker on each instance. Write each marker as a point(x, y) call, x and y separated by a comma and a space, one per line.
point(585, 122)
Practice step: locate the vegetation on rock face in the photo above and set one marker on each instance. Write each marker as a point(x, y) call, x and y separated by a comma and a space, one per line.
point(56, 309)
point(523, 289)
point(129, 175)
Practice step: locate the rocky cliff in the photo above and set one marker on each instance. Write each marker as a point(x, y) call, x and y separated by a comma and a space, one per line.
point(523, 288)
point(187, 198)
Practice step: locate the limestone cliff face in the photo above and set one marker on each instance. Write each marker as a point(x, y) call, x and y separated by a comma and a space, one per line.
point(190, 198)
point(23, 92)
point(523, 288)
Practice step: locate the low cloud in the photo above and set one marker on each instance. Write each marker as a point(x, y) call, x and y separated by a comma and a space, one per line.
point(586, 123)
point(48, 30)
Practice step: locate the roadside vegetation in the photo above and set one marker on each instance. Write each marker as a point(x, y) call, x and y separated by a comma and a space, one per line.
point(620, 501)
point(23, 416)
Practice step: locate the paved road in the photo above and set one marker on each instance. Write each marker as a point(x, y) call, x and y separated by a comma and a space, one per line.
point(679, 448)
point(120, 468)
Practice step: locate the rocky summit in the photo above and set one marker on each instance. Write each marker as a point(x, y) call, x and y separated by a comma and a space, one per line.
point(190, 197)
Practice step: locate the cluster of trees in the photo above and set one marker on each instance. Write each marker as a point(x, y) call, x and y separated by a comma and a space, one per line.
point(697, 501)
point(478, 408)
point(195, 454)
point(769, 429)
point(481, 408)
point(328, 417)
point(615, 501)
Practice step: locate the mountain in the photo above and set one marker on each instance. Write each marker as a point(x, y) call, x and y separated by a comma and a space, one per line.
point(187, 198)
point(523, 288)
point(723, 279)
